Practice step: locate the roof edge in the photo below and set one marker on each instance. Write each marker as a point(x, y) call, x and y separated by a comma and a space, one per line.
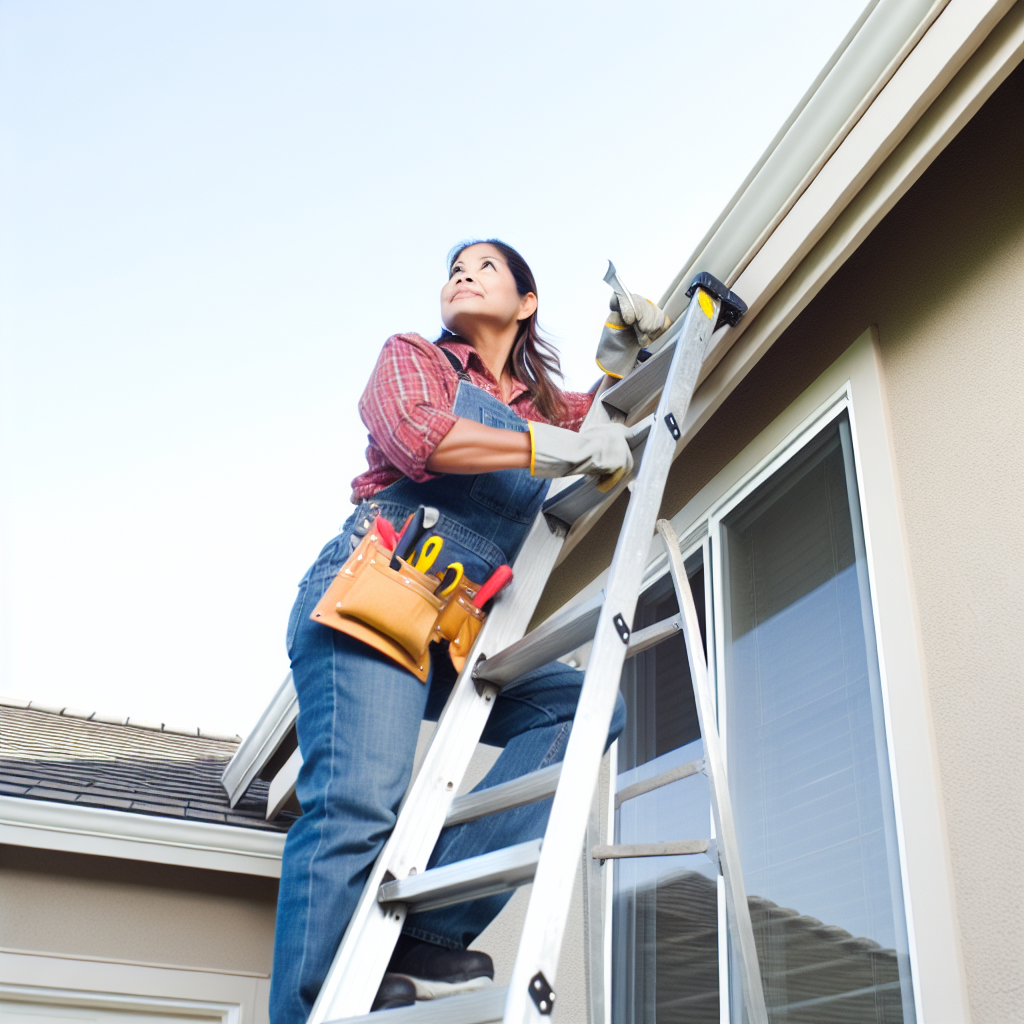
point(879, 41)
point(70, 828)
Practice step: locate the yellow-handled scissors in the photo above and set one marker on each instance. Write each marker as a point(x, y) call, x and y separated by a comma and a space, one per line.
point(428, 553)
point(456, 569)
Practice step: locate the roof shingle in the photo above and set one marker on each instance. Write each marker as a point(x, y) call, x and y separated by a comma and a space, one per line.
point(59, 756)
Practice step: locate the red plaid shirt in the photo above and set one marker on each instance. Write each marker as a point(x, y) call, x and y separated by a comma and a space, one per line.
point(407, 407)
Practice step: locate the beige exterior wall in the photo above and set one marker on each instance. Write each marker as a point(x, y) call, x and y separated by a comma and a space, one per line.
point(68, 903)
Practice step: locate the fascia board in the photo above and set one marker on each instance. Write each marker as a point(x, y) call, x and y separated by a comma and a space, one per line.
point(46, 825)
point(854, 73)
point(256, 750)
point(983, 73)
point(927, 70)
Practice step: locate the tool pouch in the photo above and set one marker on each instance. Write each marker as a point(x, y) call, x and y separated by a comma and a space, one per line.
point(396, 613)
point(460, 623)
point(392, 603)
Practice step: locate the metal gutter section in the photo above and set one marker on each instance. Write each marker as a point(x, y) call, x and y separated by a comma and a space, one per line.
point(936, 92)
point(863, 59)
point(42, 824)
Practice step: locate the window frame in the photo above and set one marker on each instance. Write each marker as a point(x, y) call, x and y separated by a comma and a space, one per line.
point(834, 408)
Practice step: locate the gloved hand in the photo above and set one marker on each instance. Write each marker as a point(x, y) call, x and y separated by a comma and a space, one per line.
point(618, 348)
point(601, 451)
point(646, 316)
point(620, 343)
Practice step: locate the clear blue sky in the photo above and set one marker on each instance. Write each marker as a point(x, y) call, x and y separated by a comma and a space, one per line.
point(213, 213)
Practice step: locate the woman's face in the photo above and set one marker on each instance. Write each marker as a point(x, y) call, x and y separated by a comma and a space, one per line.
point(481, 291)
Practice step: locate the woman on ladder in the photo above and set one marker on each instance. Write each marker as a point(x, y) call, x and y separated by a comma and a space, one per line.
point(472, 425)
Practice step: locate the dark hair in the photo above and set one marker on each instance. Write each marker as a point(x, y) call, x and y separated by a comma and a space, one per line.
point(533, 359)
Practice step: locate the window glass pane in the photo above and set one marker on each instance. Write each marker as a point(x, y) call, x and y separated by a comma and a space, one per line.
point(807, 760)
point(665, 919)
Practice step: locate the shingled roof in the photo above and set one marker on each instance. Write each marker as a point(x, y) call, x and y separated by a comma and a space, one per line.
point(66, 756)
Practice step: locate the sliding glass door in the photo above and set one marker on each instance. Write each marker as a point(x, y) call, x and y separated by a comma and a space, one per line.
point(806, 744)
point(796, 670)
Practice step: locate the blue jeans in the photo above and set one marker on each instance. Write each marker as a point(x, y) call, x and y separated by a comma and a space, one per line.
point(359, 719)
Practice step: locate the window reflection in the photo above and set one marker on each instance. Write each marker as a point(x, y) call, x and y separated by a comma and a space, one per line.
point(665, 920)
point(808, 767)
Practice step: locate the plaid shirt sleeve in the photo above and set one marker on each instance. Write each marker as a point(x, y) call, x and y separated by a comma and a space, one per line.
point(407, 404)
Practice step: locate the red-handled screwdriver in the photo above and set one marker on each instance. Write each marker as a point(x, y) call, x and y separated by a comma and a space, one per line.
point(383, 528)
point(498, 579)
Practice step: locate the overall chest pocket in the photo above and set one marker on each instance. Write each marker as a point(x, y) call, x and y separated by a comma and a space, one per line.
point(512, 493)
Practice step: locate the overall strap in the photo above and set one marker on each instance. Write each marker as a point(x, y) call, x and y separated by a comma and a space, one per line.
point(456, 365)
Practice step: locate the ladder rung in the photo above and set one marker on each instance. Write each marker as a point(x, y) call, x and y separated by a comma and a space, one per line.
point(650, 636)
point(683, 771)
point(466, 880)
point(567, 506)
point(558, 636)
point(485, 1006)
point(525, 790)
point(676, 849)
point(561, 635)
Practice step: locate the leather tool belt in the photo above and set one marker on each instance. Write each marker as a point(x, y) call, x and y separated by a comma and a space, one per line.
point(397, 612)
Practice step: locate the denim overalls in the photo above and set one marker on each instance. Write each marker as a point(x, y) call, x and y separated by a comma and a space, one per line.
point(359, 720)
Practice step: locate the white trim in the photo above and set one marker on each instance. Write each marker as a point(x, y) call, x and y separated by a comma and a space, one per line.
point(262, 742)
point(929, 66)
point(232, 998)
point(228, 1013)
point(801, 256)
point(74, 829)
point(864, 62)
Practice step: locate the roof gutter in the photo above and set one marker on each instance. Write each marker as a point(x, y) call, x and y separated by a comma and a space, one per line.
point(962, 55)
point(875, 47)
point(42, 824)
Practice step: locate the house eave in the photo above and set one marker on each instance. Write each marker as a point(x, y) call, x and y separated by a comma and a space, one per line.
point(47, 825)
point(954, 66)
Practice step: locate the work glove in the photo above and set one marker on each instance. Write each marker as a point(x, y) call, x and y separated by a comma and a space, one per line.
point(602, 451)
point(620, 343)
point(643, 315)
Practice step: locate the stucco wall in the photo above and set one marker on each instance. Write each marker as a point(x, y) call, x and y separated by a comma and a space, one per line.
point(953, 357)
point(73, 904)
point(943, 279)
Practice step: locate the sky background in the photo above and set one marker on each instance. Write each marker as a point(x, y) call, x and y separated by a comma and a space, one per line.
point(213, 213)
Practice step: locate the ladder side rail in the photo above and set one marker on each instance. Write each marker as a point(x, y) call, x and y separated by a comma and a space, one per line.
point(593, 897)
point(737, 908)
point(362, 957)
point(484, 1006)
point(543, 928)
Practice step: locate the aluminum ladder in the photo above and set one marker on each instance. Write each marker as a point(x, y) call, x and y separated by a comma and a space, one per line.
point(399, 883)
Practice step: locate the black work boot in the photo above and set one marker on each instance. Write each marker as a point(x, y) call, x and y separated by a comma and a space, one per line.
point(436, 971)
point(395, 990)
